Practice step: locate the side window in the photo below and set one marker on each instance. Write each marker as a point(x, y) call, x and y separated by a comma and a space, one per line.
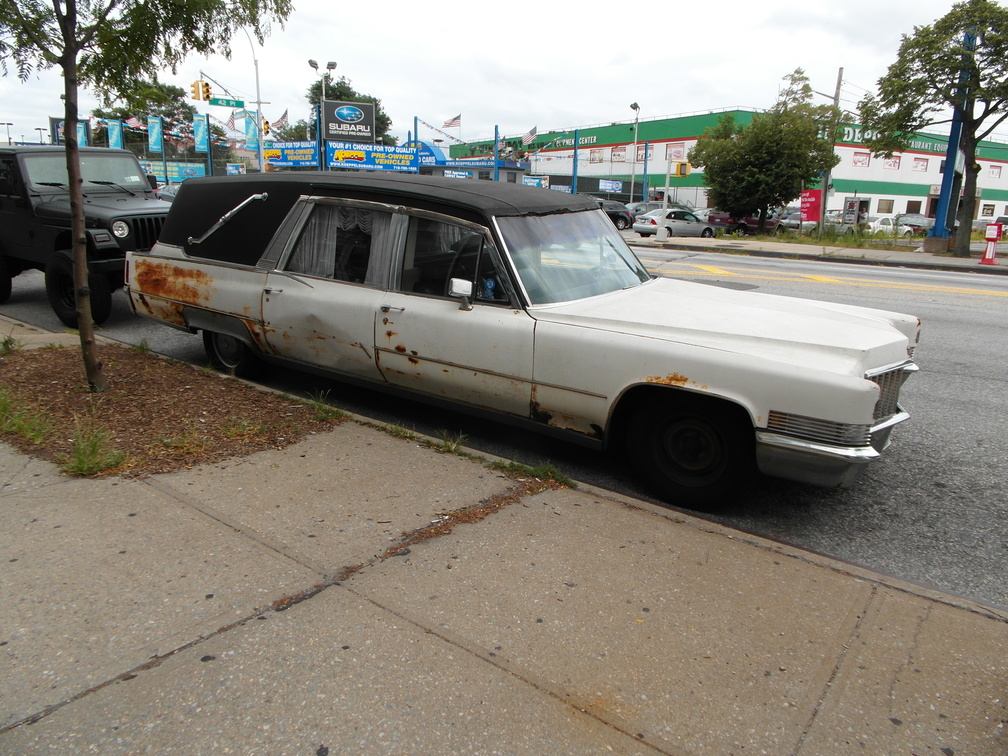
point(344, 244)
point(437, 251)
point(6, 177)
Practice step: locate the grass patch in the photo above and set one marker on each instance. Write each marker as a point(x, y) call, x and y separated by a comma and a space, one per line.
point(31, 426)
point(187, 443)
point(141, 347)
point(399, 432)
point(544, 471)
point(91, 450)
point(239, 428)
point(448, 442)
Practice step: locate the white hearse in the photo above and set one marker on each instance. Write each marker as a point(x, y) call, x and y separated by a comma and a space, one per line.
point(527, 303)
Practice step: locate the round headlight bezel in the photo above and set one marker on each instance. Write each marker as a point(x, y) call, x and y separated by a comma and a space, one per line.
point(120, 229)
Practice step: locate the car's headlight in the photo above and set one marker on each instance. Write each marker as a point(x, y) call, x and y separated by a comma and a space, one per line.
point(121, 229)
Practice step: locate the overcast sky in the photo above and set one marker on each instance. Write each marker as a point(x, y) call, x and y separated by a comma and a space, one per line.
point(552, 64)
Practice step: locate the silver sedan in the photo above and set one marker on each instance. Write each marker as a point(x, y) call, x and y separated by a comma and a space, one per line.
point(678, 222)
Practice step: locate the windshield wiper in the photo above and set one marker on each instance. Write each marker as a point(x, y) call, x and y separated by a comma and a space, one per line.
point(52, 183)
point(113, 183)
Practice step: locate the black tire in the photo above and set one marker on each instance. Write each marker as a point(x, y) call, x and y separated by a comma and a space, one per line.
point(707, 233)
point(60, 291)
point(742, 229)
point(231, 355)
point(694, 451)
point(621, 224)
point(5, 280)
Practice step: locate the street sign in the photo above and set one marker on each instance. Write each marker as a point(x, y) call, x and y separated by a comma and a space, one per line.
point(224, 102)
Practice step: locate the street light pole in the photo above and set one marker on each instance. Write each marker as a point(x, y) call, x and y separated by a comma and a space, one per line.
point(41, 133)
point(8, 125)
point(633, 154)
point(323, 78)
point(259, 120)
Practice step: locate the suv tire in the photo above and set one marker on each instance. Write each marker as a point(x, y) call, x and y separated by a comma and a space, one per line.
point(60, 290)
point(5, 280)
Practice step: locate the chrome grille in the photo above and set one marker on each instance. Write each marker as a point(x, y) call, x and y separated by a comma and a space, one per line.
point(889, 383)
point(814, 429)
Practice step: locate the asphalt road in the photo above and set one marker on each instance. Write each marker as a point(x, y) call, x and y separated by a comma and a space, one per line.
point(931, 511)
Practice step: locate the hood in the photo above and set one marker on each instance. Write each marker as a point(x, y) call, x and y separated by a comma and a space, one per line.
point(101, 204)
point(838, 338)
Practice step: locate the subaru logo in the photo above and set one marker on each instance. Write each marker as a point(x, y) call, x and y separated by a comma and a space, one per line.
point(350, 114)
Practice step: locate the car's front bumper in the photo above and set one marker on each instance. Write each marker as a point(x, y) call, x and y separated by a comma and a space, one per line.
point(820, 464)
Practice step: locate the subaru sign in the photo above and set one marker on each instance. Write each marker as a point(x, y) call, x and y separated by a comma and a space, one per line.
point(349, 122)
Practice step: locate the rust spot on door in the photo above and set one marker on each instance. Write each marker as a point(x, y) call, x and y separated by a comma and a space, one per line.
point(390, 334)
point(400, 348)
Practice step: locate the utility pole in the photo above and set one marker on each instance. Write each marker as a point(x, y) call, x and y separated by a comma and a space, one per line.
point(828, 175)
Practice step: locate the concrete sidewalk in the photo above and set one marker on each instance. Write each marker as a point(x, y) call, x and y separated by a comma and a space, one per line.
point(268, 605)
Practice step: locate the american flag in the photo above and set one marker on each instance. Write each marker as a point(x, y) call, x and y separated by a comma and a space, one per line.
point(280, 122)
point(453, 123)
point(231, 122)
point(530, 137)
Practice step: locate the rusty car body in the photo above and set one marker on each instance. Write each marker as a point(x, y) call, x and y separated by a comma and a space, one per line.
point(528, 304)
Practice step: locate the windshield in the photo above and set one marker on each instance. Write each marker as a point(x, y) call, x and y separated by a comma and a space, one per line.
point(97, 169)
point(569, 256)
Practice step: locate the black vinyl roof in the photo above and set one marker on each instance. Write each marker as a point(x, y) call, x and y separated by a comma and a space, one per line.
point(486, 197)
point(201, 202)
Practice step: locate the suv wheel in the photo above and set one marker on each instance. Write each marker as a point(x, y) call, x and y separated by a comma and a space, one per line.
point(5, 280)
point(60, 290)
point(621, 223)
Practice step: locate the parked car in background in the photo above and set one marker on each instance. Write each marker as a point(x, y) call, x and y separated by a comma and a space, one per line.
point(887, 225)
point(167, 192)
point(638, 209)
point(919, 223)
point(794, 222)
point(678, 222)
point(527, 304)
point(748, 225)
point(617, 212)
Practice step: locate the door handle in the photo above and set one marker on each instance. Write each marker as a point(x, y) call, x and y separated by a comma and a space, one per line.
point(389, 308)
point(268, 290)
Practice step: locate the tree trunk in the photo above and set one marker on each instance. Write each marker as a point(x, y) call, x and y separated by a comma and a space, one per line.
point(82, 293)
point(968, 209)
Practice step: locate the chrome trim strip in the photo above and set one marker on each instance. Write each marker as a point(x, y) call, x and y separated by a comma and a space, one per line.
point(855, 454)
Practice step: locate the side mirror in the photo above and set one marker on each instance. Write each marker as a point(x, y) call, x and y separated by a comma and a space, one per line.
point(460, 288)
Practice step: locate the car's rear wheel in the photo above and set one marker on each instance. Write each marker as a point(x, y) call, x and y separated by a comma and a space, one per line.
point(231, 355)
point(59, 285)
point(5, 280)
point(707, 233)
point(621, 224)
point(694, 451)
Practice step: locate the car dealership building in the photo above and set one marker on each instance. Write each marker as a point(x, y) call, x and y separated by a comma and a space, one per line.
point(625, 160)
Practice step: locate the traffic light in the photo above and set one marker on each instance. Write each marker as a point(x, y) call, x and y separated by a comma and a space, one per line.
point(207, 92)
point(196, 90)
point(265, 127)
point(682, 169)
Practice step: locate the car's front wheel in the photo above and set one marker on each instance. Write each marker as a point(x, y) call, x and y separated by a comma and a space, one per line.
point(231, 355)
point(694, 451)
point(707, 233)
point(59, 283)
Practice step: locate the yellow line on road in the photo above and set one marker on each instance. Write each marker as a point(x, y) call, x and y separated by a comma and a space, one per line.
point(673, 269)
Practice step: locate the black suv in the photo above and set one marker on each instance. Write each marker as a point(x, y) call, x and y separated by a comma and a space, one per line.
point(617, 212)
point(120, 213)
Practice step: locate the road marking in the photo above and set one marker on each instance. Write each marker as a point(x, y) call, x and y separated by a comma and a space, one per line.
point(674, 269)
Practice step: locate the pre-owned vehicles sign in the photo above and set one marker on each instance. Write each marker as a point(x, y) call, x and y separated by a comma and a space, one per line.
point(349, 122)
point(372, 157)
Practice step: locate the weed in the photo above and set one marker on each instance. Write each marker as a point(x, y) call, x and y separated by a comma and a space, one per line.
point(239, 428)
point(9, 344)
point(449, 443)
point(544, 471)
point(140, 348)
point(399, 432)
point(322, 410)
point(188, 443)
point(90, 450)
